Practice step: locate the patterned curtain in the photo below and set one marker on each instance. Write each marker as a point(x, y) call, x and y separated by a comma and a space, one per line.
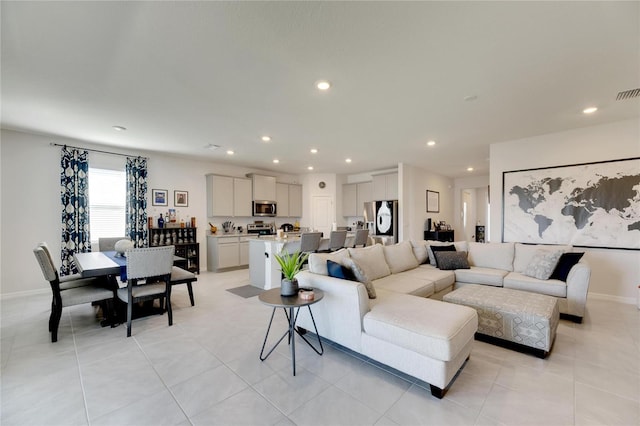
point(136, 170)
point(74, 196)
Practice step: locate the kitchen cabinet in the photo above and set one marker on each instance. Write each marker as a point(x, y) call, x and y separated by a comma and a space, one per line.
point(354, 195)
point(228, 196)
point(385, 186)
point(289, 200)
point(227, 251)
point(264, 187)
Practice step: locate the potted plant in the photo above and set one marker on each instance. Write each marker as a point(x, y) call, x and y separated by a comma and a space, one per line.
point(290, 264)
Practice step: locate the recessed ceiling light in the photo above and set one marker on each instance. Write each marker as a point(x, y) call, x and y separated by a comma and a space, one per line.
point(230, 152)
point(310, 168)
point(323, 85)
point(431, 143)
point(266, 138)
point(469, 169)
point(347, 160)
point(276, 161)
point(589, 110)
point(314, 151)
point(119, 128)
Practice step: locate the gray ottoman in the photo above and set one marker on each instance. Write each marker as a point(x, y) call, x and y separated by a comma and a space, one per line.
point(516, 319)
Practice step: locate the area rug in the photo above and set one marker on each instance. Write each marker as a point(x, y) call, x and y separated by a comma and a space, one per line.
point(246, 291)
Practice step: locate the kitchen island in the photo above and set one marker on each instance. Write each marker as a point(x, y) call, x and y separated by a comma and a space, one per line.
point(264, 270)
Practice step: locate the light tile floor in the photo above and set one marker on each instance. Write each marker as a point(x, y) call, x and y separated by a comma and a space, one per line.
point(205, 370)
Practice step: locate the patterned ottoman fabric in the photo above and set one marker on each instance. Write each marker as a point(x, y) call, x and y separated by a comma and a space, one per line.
point(529, 319)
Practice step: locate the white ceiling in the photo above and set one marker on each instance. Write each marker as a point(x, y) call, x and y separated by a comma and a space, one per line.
point(182, 75)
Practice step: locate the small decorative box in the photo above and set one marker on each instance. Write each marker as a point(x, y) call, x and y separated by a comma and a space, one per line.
point(306, 295)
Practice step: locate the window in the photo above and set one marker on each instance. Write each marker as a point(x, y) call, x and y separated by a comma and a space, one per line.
point(107, 203)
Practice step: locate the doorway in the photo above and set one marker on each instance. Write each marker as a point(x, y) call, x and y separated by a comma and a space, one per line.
point(321, 214)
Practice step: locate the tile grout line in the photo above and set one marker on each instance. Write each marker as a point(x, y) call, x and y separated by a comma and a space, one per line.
point(75, 348)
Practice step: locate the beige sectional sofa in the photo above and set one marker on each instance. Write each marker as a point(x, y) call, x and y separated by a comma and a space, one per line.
point(406, 326)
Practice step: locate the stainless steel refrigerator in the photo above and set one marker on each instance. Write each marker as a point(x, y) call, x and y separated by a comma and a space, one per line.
point(382, 219)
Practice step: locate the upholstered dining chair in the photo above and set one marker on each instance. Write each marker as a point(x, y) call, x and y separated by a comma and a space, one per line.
point(362, 236)
point(148, 278)
point(109, 243)
point(310, 243)
point(336, 241)
point(182, 276)
point(69, 293)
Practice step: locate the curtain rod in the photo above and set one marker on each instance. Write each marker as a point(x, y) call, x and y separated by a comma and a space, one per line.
point(97, 150)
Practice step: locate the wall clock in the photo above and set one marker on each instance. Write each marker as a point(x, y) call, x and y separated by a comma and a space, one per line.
point(321, 184)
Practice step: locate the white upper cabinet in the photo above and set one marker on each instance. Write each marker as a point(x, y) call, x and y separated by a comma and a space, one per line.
point(354, 195)
point(289, 200)
point(264, 187)
point(242, 197)
point(385, 186)
point(228, 196)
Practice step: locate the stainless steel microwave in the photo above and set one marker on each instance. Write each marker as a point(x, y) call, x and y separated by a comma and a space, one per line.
point(264, 208)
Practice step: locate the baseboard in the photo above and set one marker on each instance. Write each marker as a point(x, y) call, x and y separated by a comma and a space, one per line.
point(619, 299)
point(18, 294)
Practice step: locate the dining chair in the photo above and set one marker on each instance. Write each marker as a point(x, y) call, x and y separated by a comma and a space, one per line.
point(148, 278)
point(336, 241)
point(310, 242)
point(362, 236)
point(182, 276)
point(109, 243)
point(74, 292)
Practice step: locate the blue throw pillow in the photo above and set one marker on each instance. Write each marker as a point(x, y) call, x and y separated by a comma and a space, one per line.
point(566, 262)
point(336, 270)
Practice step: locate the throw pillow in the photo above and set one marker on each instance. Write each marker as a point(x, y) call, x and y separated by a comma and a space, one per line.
point(542, 264)
point(336, 270)
point(434, 249)
point(566, 262)
point(361, 276)
point(318, 261)
point(450, 260)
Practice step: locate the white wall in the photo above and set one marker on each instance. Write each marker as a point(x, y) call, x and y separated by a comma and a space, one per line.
point(615, 273)
point(30, 199)
point(414, 182)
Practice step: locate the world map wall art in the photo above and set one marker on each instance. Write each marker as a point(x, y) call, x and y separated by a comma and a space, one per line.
point(589, 205)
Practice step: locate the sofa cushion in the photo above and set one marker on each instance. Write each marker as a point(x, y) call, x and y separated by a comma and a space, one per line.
point(361, 276)
point(318, 261)
point(441, 279)
point(406, 284)
point(429, 327)
point(337, 270)
point(517, 281)
point(371, 259)
point(400, 257)
point(542, 264)
point(492, 255)
point(478, 275)
point(566, 262)
point(420, 251)
point(525, 252)
point(450, 260)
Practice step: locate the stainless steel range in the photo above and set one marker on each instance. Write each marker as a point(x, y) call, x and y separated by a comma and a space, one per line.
point(261, 228)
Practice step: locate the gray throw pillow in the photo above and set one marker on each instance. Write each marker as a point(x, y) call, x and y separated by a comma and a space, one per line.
point(542, 264)
point(361, 276)
point(450, 260)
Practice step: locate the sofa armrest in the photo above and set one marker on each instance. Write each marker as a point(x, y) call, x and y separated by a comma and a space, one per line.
point(578, 287)
point(339, 314)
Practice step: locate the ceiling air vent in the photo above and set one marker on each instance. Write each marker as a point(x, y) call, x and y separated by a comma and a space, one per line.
point(628, 94)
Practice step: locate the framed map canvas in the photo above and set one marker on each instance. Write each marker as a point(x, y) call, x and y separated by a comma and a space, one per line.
point(589, 205)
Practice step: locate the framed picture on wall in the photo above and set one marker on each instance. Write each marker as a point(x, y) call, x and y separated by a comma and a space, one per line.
point(181, 198)
point(588, 205)
point(433, 202)
point(159, 197)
